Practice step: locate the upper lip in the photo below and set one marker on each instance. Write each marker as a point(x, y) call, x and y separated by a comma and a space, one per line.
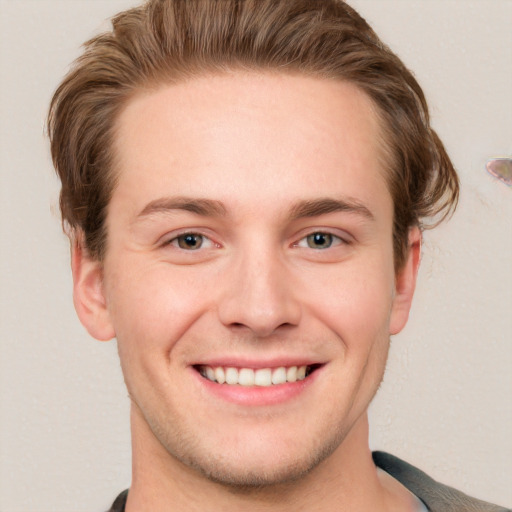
point(236, 362)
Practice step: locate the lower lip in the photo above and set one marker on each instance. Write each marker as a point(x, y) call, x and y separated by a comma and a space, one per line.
point(258, 395)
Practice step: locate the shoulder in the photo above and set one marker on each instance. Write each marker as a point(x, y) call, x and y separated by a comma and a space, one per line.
point(437, 497)
point(119, 503)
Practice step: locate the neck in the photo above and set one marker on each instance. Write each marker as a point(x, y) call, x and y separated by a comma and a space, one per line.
point(160, 481)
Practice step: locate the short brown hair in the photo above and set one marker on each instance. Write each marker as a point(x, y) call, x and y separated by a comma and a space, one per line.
point(164, 41)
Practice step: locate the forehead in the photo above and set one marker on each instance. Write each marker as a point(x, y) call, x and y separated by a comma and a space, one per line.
point(270, 137)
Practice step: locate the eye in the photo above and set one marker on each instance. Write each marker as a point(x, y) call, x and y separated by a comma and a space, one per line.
point(320, 240)
point(191, 241)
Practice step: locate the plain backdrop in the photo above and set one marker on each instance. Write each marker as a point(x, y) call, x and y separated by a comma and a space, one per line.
point(445, 404)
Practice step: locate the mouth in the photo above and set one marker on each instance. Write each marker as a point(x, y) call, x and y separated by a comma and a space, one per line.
point(262, 377)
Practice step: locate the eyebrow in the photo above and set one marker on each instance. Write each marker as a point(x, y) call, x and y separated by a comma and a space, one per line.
point(316, 207)
point(213, 208)
point(204, 207)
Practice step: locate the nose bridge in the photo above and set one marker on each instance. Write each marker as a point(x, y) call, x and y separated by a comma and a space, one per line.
point(260, 295)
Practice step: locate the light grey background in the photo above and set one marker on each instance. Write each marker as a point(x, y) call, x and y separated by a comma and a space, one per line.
point(445, 404)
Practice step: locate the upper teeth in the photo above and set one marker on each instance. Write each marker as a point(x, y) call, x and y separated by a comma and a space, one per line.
point(250, 377)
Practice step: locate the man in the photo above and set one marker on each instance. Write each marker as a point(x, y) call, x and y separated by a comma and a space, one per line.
point(244, 185)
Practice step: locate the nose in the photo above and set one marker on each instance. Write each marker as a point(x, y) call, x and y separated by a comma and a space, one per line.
point(260, 296)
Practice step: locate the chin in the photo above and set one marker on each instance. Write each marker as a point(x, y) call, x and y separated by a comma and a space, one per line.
point(248, 477)
point(251, 470)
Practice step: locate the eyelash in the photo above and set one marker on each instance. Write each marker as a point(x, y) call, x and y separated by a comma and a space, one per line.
point(332, 241)
point(335, 240)
point(175, 242)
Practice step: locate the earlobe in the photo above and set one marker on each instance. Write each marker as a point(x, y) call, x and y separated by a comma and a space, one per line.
point(405, 283)
point(88, 294)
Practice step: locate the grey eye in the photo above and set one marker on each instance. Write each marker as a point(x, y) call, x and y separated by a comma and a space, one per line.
point(319, 240)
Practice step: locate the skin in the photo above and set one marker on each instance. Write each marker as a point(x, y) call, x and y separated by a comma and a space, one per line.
point(246, 162)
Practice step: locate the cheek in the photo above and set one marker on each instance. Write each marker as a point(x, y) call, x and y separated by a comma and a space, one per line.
point(355, 302)
point(151, 310)
point(154, 306)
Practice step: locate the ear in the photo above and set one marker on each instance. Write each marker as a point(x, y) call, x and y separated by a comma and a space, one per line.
point(405, 283)
point(88, 293)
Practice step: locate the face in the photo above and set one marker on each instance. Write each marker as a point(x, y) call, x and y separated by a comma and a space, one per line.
point(249, 272)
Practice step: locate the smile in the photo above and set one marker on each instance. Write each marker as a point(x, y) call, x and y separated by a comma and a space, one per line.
point(264, 377)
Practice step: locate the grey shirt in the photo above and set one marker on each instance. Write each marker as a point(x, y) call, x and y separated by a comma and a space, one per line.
point(434, 496)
